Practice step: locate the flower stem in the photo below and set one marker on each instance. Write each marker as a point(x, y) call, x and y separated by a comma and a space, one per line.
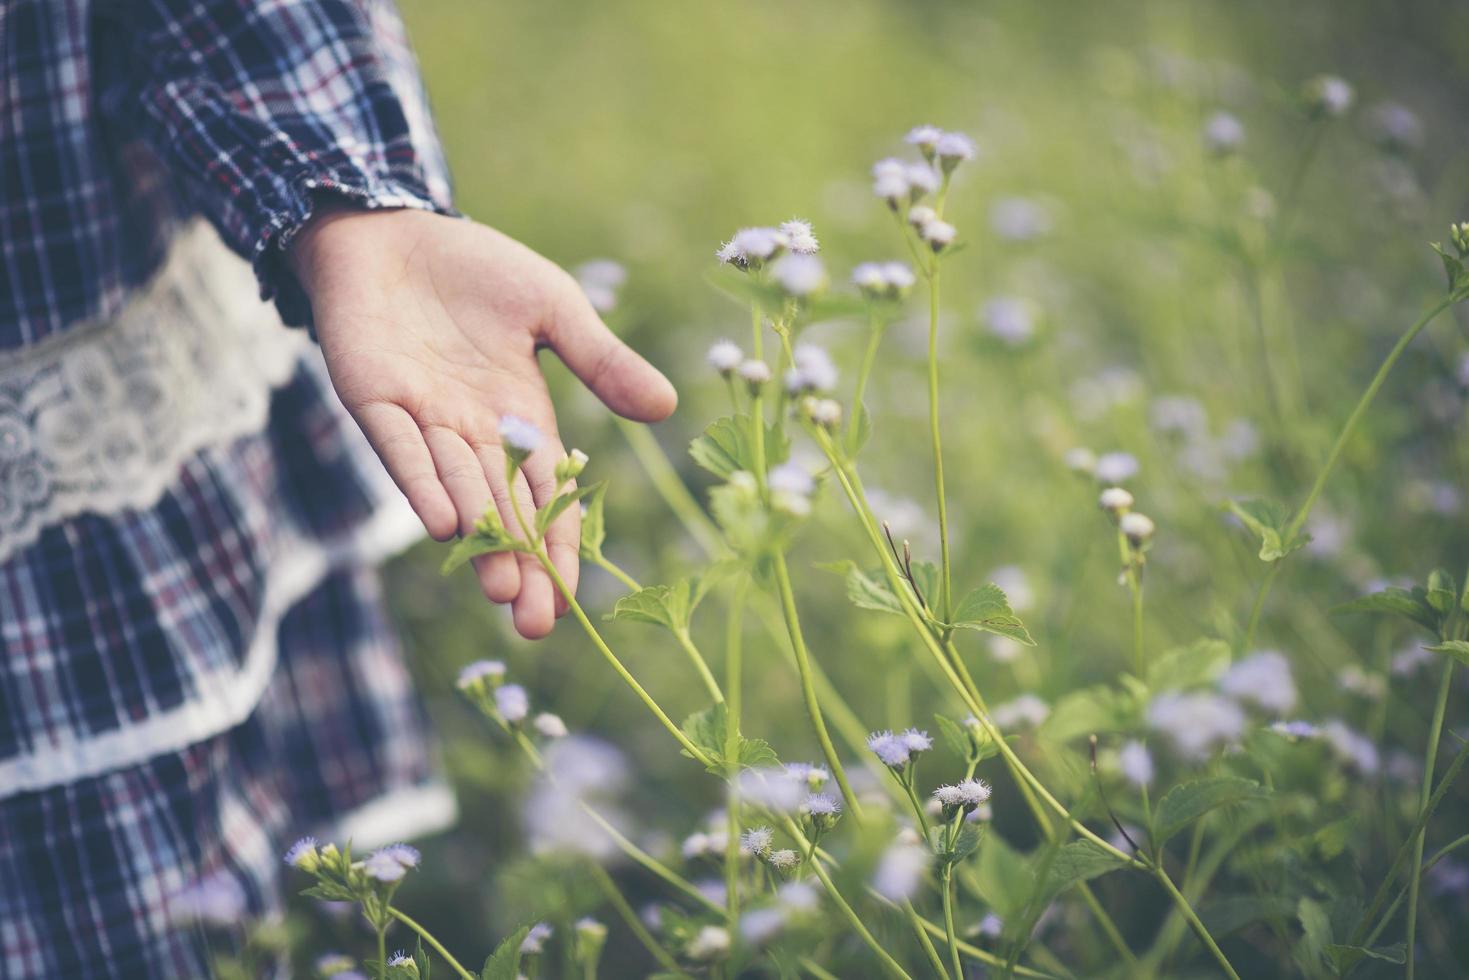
point(616, 572)
point(611, 658)
point(382, 949)
point(701, 667)
point(808, 690)
point(932, 953)
point(946, 584)
point(1259, 605)
point(1193, 920)
point(1429, 758)
point(427, 937)
point(618, 902)
point(733, 655)
point(946, 882)
point(869, 358)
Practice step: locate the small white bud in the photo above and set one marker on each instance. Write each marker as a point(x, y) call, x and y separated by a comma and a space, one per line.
point(725, 357)
point(1138, 527)
point(920, 215)
point(938, 234)
point(549, 725)
point(1115, 501)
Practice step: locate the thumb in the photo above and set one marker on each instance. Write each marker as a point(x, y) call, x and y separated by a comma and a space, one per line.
point(615, 373)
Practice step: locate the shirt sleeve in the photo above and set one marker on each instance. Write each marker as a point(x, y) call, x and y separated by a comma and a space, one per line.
point(259, 107)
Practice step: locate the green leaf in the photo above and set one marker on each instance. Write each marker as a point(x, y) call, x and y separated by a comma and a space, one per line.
point(1316, 924)
point(670, 606)
point(756, 753)
point(965, 844)
point(553, 510)
point(1182, 668)
point(594, 522)
point(1399, 602)
point(1344, 957)
point(861, 427)
point(1443, 594)
point(1232, 913)
point(1078, 861)
point(488, 537)
point(1452, 267)
point(955, 736)
point(707, 729)
point(1002, 877)
point(421, 960)
point(987, 609)
point(504, 962)
point(1187, 802)
point(728, 446)
point(1458, 649)
point(1270, 522)
point(1091, 710)
point(865, 590)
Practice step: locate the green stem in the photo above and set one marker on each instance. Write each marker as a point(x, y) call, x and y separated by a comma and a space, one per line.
point(701, 667)
point(618, 902)
point(670, 486)
point(612, 568)
point(1136, 587)
point(611, 658)
point(733, 654)
point(1193, 920)
point(1392, 909)
point(1430, 757)
point(757, 405)
point(869, 358)
point(946, 882)
point(382, 949)
point(1259, 605)
point(808, 691)
point(816, 969)
point(934, 959)
point(890, 964)
point(946, 585)
point(427, 937)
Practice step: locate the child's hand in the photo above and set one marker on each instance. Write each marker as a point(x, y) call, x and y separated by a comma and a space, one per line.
point(430, 327)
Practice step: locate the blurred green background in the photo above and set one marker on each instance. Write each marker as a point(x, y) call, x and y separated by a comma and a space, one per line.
point(648, 131)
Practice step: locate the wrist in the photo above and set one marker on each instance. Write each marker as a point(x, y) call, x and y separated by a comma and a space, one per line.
point(308, 254)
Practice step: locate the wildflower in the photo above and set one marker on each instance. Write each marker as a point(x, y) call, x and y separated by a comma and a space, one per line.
point(756, 246)
point(1223, 134)
point(591, 936)
point(938, 234)
point(1396, 127)
point(1263, 679)
point(953, 149)
point(991, 926)
point(709, 943)
point(900, 277)
point(756, 374)
point(784, 859)
point(404, 854)
point(926, 138)
point(1024, 710)
point(883, 280)
point(549, 725)
point(1135, 763)
point(915, 741)
point(303, 855)
point(729, 254)
point(696, 845)
point(535, 940)
point(1329, 95)
point(1365, 684)
point(823, 809)
point(600, 279)
point(773, 789)
point(1459, 236)
point(216, 899)
point(1080, 460)
point(1010, 319)
point(757, 840)
point(826, 412)
point(921, 180)
point(1351, 747)
point(900, 871)
point(799, 237)
point(799, 275)
point(868, 277)
point(760, 926)
point(512, 702)
point(1448, 877)
point(519, 437)
point(920, 215)
point(725, 357)
point(1116, 467)
point(1295, 729)
point(1196, 723)
point(891, 187)
point(812, 775)
point(791, 478)
point(1115, 501)
point(474, 677)
point(400, 958)
point(571, 466)
point(812, 370)
point(383, 867)
point(1138, 528)
point(966, 795)
point(891, 750)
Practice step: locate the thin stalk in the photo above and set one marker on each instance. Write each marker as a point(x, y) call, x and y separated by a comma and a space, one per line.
point(1136, 587)
point(382, 950)
point(1193, 920)
point(808, 690)
point(946, 585)
point(934, 959)
point(757, 405)
point(968, 949)
point(701, 667)
point(1392, 909)
point(635, 924)
point(611, 658)
point(427, 937)
point(1429, 758)
point(946, 882)
point(1259, 605)
point(816, 969)
point(617, 573)
point(869, 358)
point(733, 654)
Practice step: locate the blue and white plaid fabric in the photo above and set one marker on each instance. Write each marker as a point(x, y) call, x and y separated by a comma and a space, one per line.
point(120, 117)
point(102, 876)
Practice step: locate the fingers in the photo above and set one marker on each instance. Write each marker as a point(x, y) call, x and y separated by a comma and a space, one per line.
point(464, 477)
point(563, 537)
point(533, 605)
point(396, 439)
point(615, 373)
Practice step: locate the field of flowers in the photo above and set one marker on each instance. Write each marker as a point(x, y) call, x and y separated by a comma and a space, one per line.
point(1057, 564)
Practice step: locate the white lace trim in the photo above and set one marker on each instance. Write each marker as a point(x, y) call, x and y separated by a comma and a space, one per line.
point(102, 418)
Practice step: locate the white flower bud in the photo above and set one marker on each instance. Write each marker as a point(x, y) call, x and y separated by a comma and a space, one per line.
point(1138, 527)
point(1115, 501)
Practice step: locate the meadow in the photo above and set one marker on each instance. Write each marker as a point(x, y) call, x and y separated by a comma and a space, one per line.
point(1162, 677)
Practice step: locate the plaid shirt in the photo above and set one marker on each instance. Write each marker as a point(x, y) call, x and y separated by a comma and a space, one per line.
point(120, 117)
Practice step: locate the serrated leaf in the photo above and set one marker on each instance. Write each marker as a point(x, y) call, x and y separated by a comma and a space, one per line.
point(488, 537)
point(1182, 668)
point(708, 729)
point(728, 446)
point(756, 753)
point(1270, 522)
point(865, 590)
point(1078, 861)
point(1343, 957)
point(987, 609)
point(954, 736)
point(594, 522)
point(965, 844)
point(1187, 802)
point(670, 606)
point(504, 962)
point(1401, 602)
point(547, 514)
point(1458, 649)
